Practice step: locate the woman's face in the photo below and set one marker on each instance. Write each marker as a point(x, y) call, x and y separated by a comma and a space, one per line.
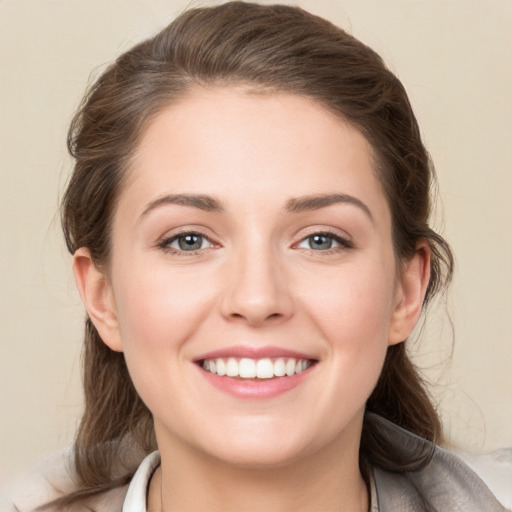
point(252, 237)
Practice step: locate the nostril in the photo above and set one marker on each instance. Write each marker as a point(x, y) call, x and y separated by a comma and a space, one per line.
point(255, 319)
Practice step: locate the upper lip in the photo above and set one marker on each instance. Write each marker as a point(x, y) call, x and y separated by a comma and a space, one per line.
point(240, 351)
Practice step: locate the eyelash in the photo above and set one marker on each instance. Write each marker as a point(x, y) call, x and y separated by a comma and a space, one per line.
point(165, 244)
point(344, 244)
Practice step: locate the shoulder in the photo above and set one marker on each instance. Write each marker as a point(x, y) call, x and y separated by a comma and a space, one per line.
point(495, 469)
point(50, 479)
point(449, 481)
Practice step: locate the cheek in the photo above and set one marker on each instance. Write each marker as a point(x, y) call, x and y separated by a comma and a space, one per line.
point(355, 318)
point(355, 305)
point(158, 313)
point(157, 308)
point(357, 324)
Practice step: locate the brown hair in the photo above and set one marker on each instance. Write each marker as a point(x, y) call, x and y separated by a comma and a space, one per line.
point(278, 48)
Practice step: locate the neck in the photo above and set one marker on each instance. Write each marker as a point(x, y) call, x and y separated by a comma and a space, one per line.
point(328, 480)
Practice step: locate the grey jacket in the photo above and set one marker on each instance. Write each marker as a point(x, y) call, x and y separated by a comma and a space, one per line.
point(445, 484)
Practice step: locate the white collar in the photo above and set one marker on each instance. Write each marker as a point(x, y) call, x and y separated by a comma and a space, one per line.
point(136, 497)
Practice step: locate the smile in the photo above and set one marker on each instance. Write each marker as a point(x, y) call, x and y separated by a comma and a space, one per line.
point(256, 372)
point(247, 368)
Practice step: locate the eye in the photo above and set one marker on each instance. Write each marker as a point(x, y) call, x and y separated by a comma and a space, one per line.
point(324, 242)
point(186, 242)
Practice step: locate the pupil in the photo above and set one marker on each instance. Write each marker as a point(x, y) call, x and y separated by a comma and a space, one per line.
point(320, 242)
point(190, 242)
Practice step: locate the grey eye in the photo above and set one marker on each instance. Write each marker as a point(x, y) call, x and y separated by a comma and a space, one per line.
point(320, 242)
point(189, 242)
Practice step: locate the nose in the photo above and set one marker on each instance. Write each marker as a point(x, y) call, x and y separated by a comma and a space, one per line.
point(257, 291)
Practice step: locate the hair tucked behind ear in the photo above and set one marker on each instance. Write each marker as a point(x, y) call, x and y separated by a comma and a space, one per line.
point(274, 48)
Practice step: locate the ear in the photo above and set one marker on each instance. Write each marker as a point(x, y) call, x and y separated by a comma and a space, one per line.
point(411, 289)
point(96, 293)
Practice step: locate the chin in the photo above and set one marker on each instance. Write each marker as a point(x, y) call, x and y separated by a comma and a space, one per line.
point(259, 456)
point(264, 444)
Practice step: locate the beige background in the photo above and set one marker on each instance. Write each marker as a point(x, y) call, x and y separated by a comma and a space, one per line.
point(454, 57)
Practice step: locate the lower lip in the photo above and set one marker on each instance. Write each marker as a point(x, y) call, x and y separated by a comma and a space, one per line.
point(267, 388)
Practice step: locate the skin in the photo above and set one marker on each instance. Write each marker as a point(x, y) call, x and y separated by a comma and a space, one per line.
point(256, 280)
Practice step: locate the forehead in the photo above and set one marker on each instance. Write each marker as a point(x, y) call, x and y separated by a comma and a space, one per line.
point(237, 143)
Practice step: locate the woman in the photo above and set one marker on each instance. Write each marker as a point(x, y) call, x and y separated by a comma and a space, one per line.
point(248, 217)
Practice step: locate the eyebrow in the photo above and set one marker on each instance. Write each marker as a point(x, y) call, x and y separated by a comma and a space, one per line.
point(294, 205)
point(316, 202)
point(200, 201)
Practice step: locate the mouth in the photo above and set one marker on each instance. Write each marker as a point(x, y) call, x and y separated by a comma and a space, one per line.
point(248, 372)
point(255, 372)
point(250, 369)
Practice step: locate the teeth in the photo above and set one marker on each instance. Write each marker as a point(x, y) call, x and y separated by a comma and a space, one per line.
point(232, 368)
point(290, 367)
point(247, 368)
point(221, 367)
point(279, 368)
point(264, 369)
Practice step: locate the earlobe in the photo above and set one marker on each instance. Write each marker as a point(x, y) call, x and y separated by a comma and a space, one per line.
point(96, 293)
point(411, 291)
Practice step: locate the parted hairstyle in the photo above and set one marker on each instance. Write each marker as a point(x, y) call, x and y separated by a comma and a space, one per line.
point(271, 48)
